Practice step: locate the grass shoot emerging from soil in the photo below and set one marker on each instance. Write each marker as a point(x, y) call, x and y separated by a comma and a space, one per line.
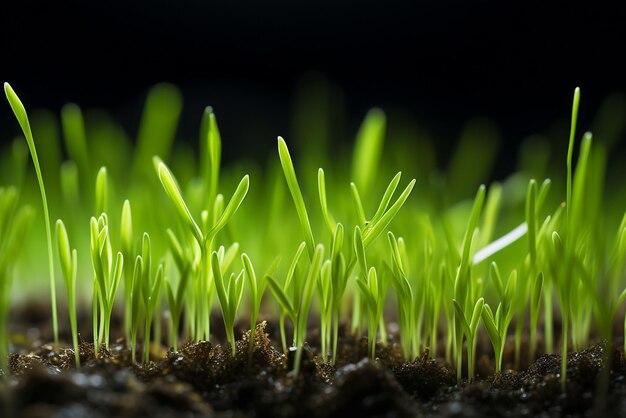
point(557, 273)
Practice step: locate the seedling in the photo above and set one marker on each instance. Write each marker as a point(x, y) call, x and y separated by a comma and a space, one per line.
point(151, 286)
point(14, 222)
point(69, 268)
point(297, 305)
point(175, 296)
point(497, 325)
point(229, 294)
point(373, 290)
point(107, 276)
point(440, 263)
point(22, 118)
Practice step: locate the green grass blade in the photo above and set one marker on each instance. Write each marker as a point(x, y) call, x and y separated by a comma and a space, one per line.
point(321, 187)
point(359, 250)
point(235, 201)
point(76, 139)
point(158, 125)
point(22, 118)
point(490, 326)
point(358, 206)
point(368, 150)
point(384, 202)
point(375, 229)
point(65, 253)
point(101, 191)
point(570, 147)
point(252, 281)
point(296, 194)
point(476, 315)
point(173, 192)
point(222, 294)
point(531, 220)
point(280, 296)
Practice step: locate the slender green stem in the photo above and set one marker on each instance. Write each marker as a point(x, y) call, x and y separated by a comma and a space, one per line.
point(22, 117)
point(564, 352)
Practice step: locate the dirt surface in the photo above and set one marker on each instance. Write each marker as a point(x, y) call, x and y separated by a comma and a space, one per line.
point(203, 380)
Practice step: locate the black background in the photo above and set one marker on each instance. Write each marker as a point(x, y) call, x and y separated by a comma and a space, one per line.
point(442, 61)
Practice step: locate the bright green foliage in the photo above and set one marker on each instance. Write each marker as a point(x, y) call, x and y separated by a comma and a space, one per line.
point(306, 298)
point(229, 294)
point(173, 192)
point(69, 268)
point(127, 244)
point(256, 290)
point(368, 149)
point(75, 140)
point(22, 118)
point(373, 290)
point(14, 221)
point(296, 194)
point(135, 298)
point(497, 325)
point(385, 213)
point(467, 312)
point(288, 296)
point(158, 125)
point(321, 186)
point(211, 152)
point(338, 282)
point(203, 272)
point(151, 285)
point(296, 296)
point(567, 261)
point(325, 302)
point(405, 297)
point(175, 296)
point(107, 276)
point(469, 329)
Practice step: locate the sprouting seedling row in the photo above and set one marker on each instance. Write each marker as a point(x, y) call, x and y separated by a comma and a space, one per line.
point(191, 259)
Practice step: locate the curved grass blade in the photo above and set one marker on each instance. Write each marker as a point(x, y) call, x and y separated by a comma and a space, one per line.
point(22, 118)
point(173, 192)
point(296, 194)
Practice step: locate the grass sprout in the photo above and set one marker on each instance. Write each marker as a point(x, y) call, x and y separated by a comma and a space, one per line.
point(497, 325)
point(560, 241)
point(69, 268)
point(22, 118)
point(229, 294)
point(14, 222)
point(107, 276)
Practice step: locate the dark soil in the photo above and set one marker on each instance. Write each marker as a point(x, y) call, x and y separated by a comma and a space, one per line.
point(203, 380)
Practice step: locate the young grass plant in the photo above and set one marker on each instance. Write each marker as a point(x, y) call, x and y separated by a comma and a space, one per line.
point(135, 297)
point(69, 268)
point(22, 118)
point(497, 325)
point(107, 276)
point(176, 296)
point(229, 295)
point(405, 299)
point(127, 250)
point(373, 290)
point(296, 297)
point(287, 296)
point(256, 289)
point(14, 222)
point(467, 312)
point(204, 240)
point(436, 274)
point(151, 286)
